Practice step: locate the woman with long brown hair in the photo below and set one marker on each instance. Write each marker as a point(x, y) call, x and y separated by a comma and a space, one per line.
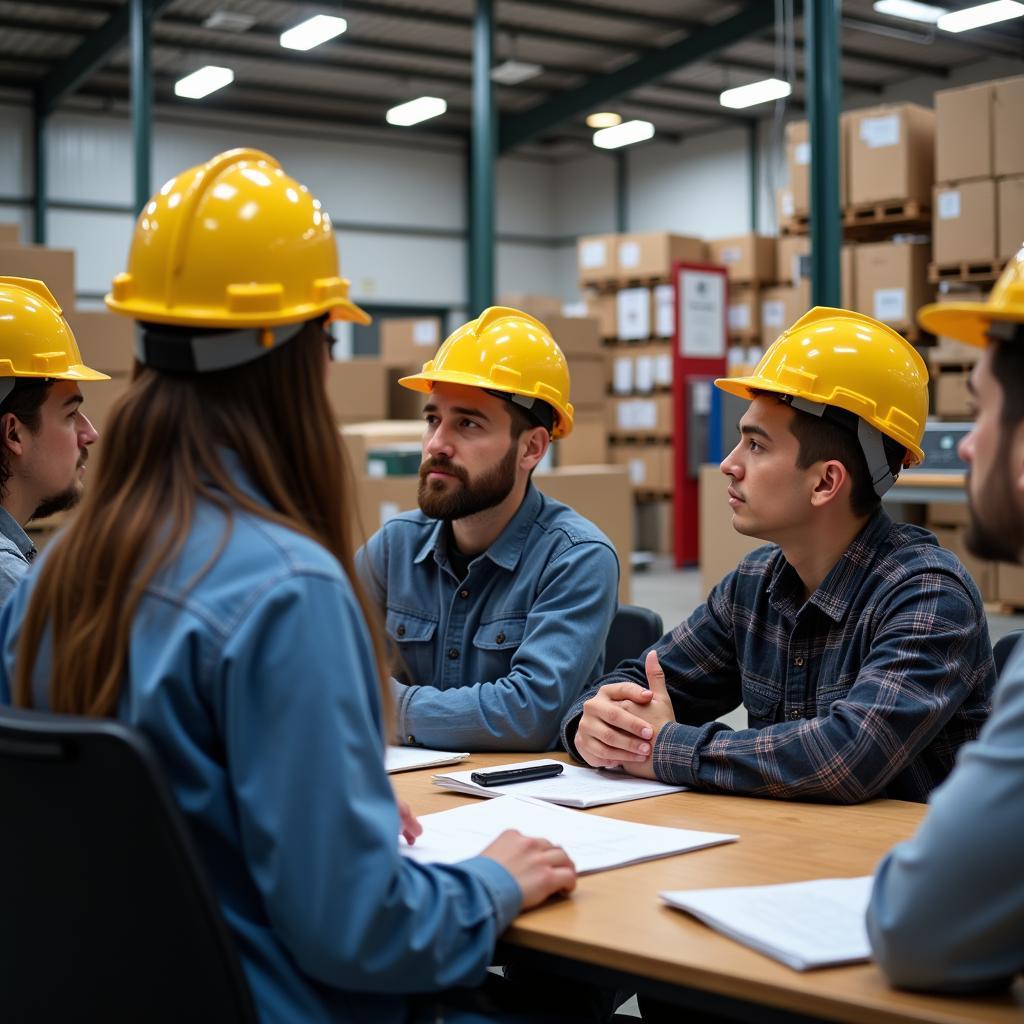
point(205, 594)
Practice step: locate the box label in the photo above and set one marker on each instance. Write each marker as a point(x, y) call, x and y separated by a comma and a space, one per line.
point(622, 375)
point(948, 205)
point(739, 317)
point(634, 314)
point(802, 153)
point(788, 206)
point(593, 254)
point(637, 471)
point(879, 132)
point(640, 414)
point(664, 310)
point(376, 467)
point(644, 373)
point(424, 332)
point(629, 255)
point(773, 313)
point(731, 254)
point(663, 370)
point(890, 305)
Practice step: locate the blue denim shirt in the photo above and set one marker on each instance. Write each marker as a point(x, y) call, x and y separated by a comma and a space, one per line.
point(257, 687)
point(492, 662)
point(867, 688)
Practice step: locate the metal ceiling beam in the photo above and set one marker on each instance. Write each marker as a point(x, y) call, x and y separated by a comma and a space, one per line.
point(517, 128)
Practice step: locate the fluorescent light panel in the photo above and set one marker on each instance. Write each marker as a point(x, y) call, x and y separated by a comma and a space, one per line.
point(983, 14)
point(624, 134)
point(313, 32)
point(420, 109)
point(911, 10)
point(756, 92)
point(204, 81)
point(512, 72)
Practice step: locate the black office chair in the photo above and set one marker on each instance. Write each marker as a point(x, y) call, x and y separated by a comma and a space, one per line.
point(632, 631)
point(106, 914)
point(1003, 648)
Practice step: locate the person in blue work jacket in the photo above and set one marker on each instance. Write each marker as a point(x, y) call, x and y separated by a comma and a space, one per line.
point(497, 598)
point(947, 909)
point(205, 595)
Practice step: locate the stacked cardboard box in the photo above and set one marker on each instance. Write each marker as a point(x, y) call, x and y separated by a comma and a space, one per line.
point(950, 362)
point(948, 521)
point(751, 265)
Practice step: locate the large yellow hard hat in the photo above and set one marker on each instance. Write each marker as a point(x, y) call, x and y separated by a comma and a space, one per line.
point(233, 243)
point(507, 351)
point(35, 339)
point(969, 321)
point(836, 357)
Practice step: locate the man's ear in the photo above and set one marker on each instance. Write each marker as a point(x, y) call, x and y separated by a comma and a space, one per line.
point(10, 433)
point(831, 476)
point(534, 444)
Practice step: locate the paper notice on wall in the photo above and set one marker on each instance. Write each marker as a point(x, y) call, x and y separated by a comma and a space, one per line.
point(890, 305)
point(802, 153)
point(629, 255)
point(700, 396)
point(593, 254)
point(948, 204)
point(639, 414)
point(702, 314)
point(773, 313)
point(644, 374)
point(663, 370)
point(633, 307)
point(388, 510)
point(739, 317)
point(637, 472)
point(622, 375)
point(424, 332)
point(664, 310)
point(879, 132)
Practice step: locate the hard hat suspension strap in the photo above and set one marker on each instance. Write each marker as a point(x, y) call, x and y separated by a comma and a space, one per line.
point(536, 407)
point(178, 352)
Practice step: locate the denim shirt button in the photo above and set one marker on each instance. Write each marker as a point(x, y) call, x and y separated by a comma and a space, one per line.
point(794, 713)
point(453, 654)
point(410, 738)
point(463, 593)
point(400, 631)
point(798, 662)
point(500, 638)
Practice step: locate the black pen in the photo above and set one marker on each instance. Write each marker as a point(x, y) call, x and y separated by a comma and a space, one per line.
point(504, 777)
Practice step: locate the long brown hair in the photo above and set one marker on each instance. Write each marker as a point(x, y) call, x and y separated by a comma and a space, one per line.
point(159, 459)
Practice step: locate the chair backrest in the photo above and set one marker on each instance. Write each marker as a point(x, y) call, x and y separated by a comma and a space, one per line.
point(106, 913)
point(1003, 648)
point(632, 631)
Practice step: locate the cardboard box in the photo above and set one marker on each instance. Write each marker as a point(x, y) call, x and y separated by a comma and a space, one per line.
point(663, 310)
point(359, 438)
point(748, 259)
point(576, 335)
point(641, 417)
point(651, 254)
point(650, 466)
point(983, 573)
point(947, 513)
point(541, 307)
point(54, 267)
point(10, 234)
point(1007, 137)
point(358, 389)
point(744, 312)
point(891, 154)
point(596, 259)
point(792, 259)
point(603, 309)
point(951, 398)
point(964, 222)
point(400, 403)
point(587, 382)
point(798, 163)
point(1010, 209)
point(633, 314)
point(587, 445)
point(1010, 584)
point(963, 133)
point(721, 547)
point(106, 341)
point(785, 207)
point(640, 369)
point(892, 281)
point(781, 307)
point(654, 527)
point(409, 340)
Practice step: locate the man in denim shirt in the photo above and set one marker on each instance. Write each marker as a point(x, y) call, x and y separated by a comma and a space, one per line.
point(858, 646)
point(497, 599)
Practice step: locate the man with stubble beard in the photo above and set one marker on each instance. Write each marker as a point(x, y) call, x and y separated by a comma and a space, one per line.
point(497, 598)
point(44, 436)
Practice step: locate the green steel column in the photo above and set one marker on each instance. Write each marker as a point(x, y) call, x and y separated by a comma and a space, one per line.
point(142, 98)
point(39, 171)
point(755, 172)
point(621, 191)
point(483, 153)
point(824, 100)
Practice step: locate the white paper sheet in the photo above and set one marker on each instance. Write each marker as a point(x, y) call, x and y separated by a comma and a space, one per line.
point(403, 759)
point(802, 924)
point(575, 787)
point(592, 842)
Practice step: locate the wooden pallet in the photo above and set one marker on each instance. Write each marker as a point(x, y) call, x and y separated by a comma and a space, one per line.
point(965, 270)
point(867, 220)
point(644, 495)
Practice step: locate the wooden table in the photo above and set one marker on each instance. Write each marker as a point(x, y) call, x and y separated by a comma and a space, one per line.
point(615, 929)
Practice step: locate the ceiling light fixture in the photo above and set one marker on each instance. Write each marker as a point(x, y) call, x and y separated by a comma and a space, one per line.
point(420, 109)
point(312, 32)
point(911, 10)
point(204, 81)
point(603, 119)
point(624, 134)
point(229, 21)
point(754, 93)
point(983, 14)
point(512, 72)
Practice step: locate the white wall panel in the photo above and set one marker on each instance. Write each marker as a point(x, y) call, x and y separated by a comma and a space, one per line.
point(16, 151)
point(100, 241)
point(89, 159)
point(523, 268)
point(20, 215)
point(584, 197)
point(524, 197)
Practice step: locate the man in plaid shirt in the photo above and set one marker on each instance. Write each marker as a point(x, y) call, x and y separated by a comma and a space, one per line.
point(858, 646)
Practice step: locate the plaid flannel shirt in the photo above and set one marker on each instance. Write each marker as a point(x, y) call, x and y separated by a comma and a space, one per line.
point(866, 689)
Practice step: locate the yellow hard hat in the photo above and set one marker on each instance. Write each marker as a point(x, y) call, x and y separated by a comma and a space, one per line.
point(506, 351)
point(233, 243)
point(35, 339)
point(836, 357)
point(969, 321)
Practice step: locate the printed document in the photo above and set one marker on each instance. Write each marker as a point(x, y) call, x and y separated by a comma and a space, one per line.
point(575, 787)
point(593, 843)
point(403, 759)
point(803, 924)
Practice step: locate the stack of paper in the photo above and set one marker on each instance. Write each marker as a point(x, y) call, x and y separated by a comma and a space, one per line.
point(575, 787)
point(803, 924)
point(593, 843)
point(403, 759)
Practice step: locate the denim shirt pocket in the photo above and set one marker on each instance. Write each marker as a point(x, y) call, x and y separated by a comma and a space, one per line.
point(412, 636)
point(495, 644)
point(762, 708)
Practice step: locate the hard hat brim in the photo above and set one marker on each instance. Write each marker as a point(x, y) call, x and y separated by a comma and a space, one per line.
point(964, 321)
point(77, 371)
point(337, 309)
